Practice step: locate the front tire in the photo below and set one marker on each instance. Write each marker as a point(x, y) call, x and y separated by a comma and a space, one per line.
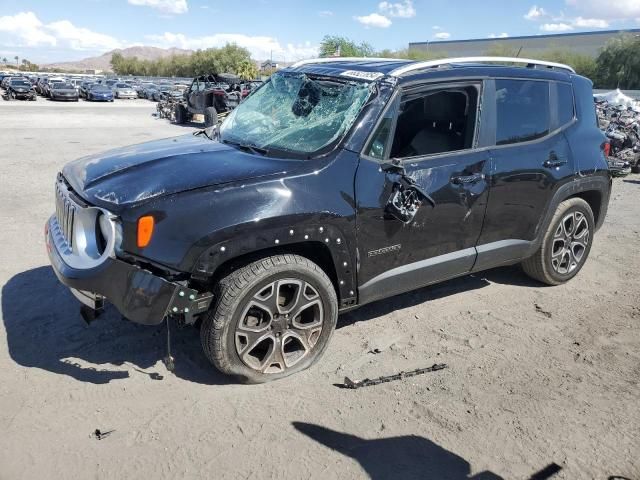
point(273, 318)
point(565, 246)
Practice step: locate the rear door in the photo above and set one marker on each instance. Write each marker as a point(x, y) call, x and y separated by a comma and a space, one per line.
point(531, 159)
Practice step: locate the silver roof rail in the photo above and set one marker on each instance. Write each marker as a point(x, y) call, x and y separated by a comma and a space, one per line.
point(345, 59)
point(448, 61)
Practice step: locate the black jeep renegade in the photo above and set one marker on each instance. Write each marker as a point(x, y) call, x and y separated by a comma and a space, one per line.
point(337, 183)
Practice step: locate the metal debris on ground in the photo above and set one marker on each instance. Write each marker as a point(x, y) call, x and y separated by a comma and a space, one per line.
point(169, 361)
point(351, 384)
point(100, 435)
point(619, 119)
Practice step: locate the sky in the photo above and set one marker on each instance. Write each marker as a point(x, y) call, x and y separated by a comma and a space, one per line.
point(45, 31)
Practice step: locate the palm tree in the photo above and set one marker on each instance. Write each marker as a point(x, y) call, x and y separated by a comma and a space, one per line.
point(247, 70)
point(16, 59)
point(4, 60)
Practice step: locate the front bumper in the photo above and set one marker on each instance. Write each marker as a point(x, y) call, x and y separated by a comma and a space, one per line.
point(64, 98)
point(137, 294)
point(27, 95)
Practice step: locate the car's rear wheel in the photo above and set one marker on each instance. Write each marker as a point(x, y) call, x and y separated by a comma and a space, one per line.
point(210, 116)
point(180, 114)
point(565, 246)
point(273, 317)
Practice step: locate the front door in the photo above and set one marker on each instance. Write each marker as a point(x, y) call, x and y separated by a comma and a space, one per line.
point(421, 190)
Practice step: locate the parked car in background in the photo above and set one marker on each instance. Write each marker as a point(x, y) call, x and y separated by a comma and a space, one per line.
point(63, 91)
point(162, 90)
point(48, 83)
point(20, 88)
point(76, 82)
point(40, 85)
point(122, 90)
point(139, 88)
point(6, 79)
point(84, 88)
point(99, 93)
point(147, 91)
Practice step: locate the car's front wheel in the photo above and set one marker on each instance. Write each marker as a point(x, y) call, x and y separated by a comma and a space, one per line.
point(566, 244)
point(273, 317)
point(210, 116)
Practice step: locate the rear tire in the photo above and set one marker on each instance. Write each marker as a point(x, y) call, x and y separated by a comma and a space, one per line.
point(565, 246)
point(180, 114)
point(210, 116)
point(636, 168)
point(273, 318)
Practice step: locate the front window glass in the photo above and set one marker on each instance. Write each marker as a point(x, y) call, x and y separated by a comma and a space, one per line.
point(380, 144)
point(297, 113)
point(436, 122)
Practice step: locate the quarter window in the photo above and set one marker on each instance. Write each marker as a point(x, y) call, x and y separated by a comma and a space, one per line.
point(522, 111)
point(565, 104)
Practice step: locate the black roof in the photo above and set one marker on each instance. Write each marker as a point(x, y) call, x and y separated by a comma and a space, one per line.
point(337, 67)
point(386, 66)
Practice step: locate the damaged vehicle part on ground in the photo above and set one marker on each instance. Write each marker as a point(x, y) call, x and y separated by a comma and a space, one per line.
point(337, 183)
point(621, 125)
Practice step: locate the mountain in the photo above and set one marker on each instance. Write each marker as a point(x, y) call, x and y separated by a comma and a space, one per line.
point(103, 62)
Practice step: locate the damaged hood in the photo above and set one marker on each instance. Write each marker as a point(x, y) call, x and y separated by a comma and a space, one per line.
point(138, 173)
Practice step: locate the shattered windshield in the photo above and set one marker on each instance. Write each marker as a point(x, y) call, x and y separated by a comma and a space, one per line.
point(296, 113)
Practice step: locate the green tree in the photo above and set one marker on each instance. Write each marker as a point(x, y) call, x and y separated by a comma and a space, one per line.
point(247, 70)
point(230, 59)
point(618, 64)
point(333, 45)
point(411, 54)
point(583, 64)
point(502, 50)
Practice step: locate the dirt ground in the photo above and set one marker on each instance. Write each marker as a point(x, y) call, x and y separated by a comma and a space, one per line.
point(537, 375)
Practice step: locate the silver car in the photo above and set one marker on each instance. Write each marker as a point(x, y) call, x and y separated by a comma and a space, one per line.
point(122, 90)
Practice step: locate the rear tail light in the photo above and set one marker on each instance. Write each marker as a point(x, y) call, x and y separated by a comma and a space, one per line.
point(145, 230)
point(606, 148)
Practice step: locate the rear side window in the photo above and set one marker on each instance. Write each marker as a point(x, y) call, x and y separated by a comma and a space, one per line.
point(565, 104)
point(522, 111)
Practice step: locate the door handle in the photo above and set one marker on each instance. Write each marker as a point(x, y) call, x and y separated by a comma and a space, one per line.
point(554, 161)
point(467, 179)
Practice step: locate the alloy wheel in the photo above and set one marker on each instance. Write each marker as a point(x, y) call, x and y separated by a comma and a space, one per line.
point(280, 325)
point(570, 242)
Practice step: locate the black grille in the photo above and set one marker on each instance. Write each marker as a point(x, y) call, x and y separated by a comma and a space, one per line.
point(65, 213)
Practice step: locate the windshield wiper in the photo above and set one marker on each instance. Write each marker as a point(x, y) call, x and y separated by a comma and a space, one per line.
point(202, 132)
point(248, 147)
point(210, 132)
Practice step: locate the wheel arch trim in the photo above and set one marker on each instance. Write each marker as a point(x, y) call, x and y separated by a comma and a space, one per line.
point(322, 243)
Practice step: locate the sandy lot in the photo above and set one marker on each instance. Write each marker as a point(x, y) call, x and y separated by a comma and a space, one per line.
point(537, 375)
